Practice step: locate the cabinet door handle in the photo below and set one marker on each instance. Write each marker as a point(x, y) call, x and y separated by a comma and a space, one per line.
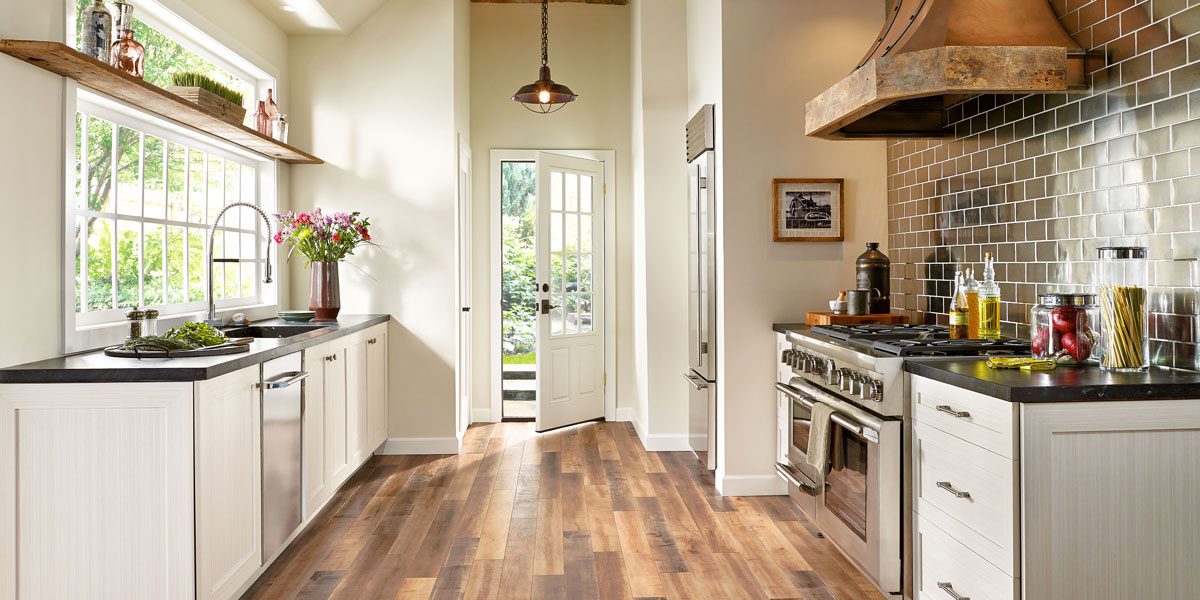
point(949, 589)
point(960, 414)
point(284, 380)
point(945, 485)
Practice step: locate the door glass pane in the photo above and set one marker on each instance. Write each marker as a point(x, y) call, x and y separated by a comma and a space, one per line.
point(556, 315)
point(153, 186)
point(176, 263)
point(572, 242)
point(556, 273)
point(585, 233)
point(556, 232)
point(556, 191)
point(572, 191)
point(177, 183)
point(99, 263)
point(128, 255)
point(152, 266)
point(572, 316)
point(572, 273)
point(585, 193)
point(585, 313)
point(585, 273)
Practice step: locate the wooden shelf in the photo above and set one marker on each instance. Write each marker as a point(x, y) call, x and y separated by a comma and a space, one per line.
point(66, 61)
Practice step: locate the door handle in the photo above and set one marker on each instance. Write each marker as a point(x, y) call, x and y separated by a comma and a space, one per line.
point(958, 414)
point(949, 589)
point(546, 306)
point(696, 385)
point(284, 380)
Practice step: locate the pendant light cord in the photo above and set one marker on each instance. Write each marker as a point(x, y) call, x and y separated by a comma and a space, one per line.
point(545, 32)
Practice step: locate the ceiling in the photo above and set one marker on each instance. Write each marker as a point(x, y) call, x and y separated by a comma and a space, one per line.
point(622, 2)
point(309, 17)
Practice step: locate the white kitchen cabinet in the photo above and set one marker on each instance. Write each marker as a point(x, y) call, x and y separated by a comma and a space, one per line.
point(1062, 500)
point(316, 485)
point(334, 395)
point(356, 401)
point(96, 489)
point(228, 483)
point(377, 387)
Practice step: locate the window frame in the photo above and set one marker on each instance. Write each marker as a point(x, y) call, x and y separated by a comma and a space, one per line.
point(90, 330)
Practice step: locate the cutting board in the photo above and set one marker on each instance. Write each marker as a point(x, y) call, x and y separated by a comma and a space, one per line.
point(830, 318)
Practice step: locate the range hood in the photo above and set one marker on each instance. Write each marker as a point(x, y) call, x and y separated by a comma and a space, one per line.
point(934, 53)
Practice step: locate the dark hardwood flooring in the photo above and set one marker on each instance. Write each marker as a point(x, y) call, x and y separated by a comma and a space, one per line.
point(581, 512)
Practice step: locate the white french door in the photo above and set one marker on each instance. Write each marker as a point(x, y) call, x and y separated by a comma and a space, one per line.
point(570, 274)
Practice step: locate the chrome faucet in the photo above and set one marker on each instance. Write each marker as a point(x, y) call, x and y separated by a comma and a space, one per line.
point(212, 233)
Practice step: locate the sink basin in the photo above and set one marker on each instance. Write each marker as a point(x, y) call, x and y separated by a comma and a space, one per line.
point(270, 331)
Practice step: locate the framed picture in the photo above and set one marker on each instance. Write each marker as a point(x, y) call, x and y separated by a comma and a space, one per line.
point(808, 210)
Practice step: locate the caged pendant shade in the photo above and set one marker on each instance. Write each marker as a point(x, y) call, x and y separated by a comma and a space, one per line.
point(544, 96)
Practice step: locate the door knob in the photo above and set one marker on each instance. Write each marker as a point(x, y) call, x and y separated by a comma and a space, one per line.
point(546, 306)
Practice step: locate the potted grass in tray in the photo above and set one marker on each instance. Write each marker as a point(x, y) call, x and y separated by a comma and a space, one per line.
point(218, 99)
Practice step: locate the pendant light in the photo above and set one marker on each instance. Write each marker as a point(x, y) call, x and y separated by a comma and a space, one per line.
point(544, 96)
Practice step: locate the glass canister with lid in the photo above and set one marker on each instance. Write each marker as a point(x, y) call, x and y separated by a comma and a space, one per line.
point(1122, 276)
point(1065, 327)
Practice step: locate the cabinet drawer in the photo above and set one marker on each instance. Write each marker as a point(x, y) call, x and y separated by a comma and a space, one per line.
point(942, 565)
point(982, 420)
point(967, 491)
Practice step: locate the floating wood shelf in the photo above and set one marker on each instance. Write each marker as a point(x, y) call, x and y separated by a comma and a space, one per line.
point(66, 61)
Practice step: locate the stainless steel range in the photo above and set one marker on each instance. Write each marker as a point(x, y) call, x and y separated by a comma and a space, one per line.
point(858, 498)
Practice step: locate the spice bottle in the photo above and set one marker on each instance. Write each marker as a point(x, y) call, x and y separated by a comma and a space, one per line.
point(989, 301)
point(136, 320)
point(150, 324)
point(958, 309)
point(971, 287)
point(1123, 275)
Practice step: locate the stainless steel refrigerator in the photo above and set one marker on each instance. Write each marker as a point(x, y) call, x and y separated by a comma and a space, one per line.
point(702, 280)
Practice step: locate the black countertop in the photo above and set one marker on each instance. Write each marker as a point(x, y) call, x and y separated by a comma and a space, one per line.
point(1064, 384)
point(95, 367)
point(786, 327)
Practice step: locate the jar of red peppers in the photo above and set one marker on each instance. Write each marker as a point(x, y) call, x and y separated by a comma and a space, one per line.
point(1064, 327)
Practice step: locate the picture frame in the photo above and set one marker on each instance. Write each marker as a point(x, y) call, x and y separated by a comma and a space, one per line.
point(808, 210)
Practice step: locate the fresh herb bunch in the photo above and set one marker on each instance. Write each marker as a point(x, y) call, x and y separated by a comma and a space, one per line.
point(190, 79)
point(156, 342)
point(323, 237)
point(197, 333)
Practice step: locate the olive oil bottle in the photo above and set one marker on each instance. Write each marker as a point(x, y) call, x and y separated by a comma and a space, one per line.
point(958, 309)
point(971, 287)
point(989, 301)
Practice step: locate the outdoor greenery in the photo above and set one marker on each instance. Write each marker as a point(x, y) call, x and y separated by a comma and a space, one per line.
point(136, 191)
point(521, 359)
point(519, 273)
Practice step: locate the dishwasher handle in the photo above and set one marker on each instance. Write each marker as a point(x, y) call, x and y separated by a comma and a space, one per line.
point(284, 380)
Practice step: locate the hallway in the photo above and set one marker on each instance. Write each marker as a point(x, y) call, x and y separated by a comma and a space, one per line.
point(582, 512)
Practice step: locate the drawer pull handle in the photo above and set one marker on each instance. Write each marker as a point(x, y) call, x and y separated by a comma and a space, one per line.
point(949, 589)
point(945, 485)
point(959, 414)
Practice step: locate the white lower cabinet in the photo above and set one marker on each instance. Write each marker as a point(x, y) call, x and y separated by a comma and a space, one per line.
point(228, 483)
point(947, 569)
point(377, 387)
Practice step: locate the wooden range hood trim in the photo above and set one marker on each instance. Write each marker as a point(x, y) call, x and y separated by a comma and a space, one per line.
point(879, 99)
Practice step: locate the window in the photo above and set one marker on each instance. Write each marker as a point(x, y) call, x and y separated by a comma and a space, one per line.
point(143, 205)
point(143, 192)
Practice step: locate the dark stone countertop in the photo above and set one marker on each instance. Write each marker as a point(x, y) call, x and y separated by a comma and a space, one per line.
point(95, 367)
point(1064, 384)
point(786, 327)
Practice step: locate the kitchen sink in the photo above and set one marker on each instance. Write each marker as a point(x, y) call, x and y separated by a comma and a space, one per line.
point(270, 331)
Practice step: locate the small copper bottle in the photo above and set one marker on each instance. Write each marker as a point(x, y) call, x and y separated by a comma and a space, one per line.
point(262, 121)
point(128, 55)
point(272, 108)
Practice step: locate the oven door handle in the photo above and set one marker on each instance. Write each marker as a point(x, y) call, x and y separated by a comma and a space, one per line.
point(794, 477)
point(794, 394)
point(849, 417)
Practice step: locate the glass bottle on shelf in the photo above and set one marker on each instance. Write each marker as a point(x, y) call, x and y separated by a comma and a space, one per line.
point(271, 107)
point(96, 38)
point(279, 128)
point(122, 16)
point(1125, 318)
point(958, 309)
point(989, 301)
point(128, 55)
point(971, 288)
point(262, 122)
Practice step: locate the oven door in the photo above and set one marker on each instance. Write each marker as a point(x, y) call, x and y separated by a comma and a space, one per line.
point(860, 507)
point(804, 482)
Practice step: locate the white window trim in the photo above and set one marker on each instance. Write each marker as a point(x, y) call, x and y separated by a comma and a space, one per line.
point(181, 23)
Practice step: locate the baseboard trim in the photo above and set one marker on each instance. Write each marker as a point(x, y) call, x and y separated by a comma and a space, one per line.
point(482, 415)
point(442, 445)
point(655, 442)
point(624, 413)
point(750, 485)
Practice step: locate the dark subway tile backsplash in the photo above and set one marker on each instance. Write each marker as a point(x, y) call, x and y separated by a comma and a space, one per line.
point(1043, 180)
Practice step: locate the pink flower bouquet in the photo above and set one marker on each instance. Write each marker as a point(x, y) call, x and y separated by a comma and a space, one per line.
point(323, 237)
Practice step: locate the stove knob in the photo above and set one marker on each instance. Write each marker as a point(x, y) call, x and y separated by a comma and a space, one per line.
point(876, 391)
point(845, 380)
point(786, 357)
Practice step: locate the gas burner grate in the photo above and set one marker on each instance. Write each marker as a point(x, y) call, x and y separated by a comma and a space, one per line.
point(946, 347)
point(847, 332)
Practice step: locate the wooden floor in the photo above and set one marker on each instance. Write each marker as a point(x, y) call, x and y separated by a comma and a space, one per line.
point(582, 512)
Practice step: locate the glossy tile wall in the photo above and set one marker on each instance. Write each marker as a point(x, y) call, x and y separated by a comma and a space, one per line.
point(1043, 180)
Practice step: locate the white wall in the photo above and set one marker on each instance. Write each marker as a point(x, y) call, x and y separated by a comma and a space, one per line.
point(378, 106)
point(660, 282)
point(589, 51)
point(32, 160)
point(785, 53)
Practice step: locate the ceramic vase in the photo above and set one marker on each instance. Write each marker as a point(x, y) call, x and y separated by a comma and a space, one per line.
point(325, 296)
point(96, 37)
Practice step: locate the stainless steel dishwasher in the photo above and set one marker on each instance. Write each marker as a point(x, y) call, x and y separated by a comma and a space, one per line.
point(281, 413)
